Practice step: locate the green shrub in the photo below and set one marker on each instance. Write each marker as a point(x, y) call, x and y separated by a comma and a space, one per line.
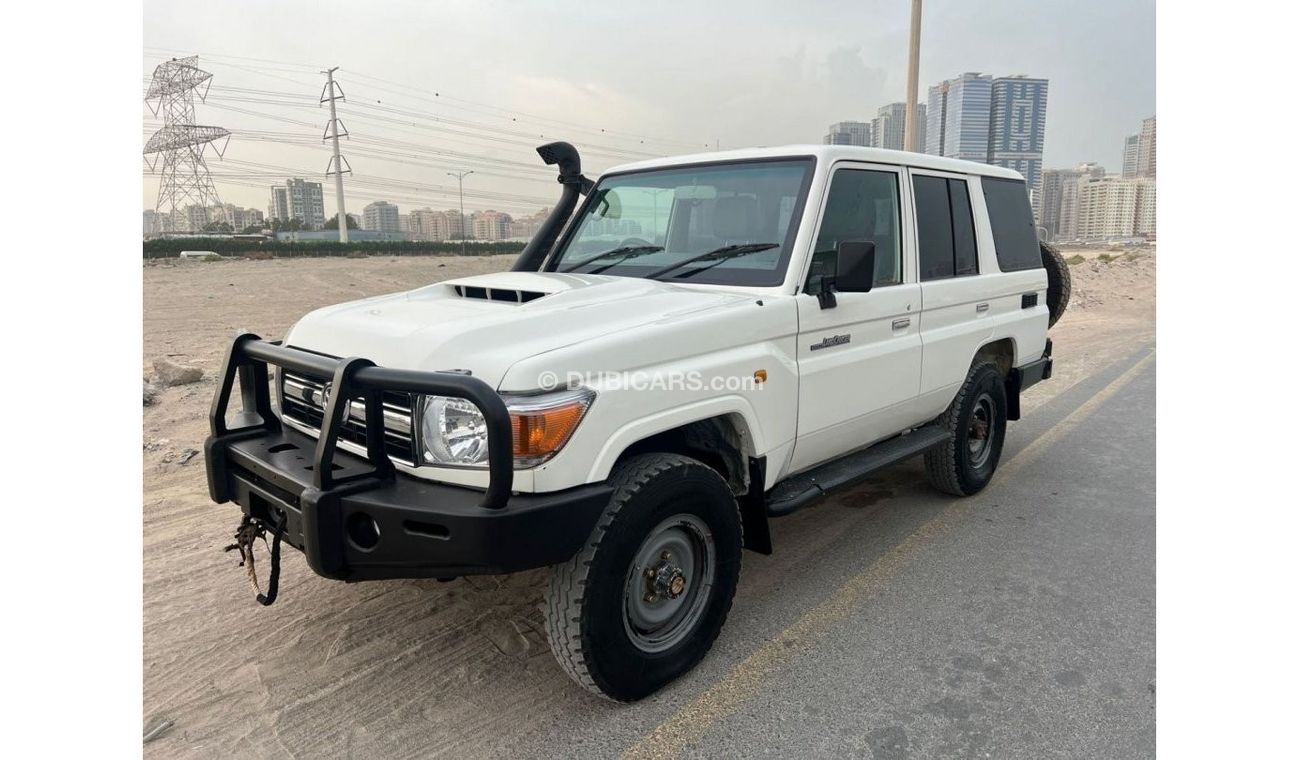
point(1075, 259)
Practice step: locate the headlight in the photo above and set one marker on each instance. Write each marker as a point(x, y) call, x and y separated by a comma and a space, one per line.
point(453, 431)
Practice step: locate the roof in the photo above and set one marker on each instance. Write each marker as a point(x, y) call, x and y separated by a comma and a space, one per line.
point(827, 153)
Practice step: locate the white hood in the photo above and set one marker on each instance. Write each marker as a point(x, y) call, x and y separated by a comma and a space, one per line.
point(486, 323)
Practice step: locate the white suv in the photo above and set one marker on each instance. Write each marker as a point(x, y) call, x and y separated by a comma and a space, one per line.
point(686, 348)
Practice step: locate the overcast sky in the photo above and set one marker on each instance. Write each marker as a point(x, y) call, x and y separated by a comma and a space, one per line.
point(659, 78)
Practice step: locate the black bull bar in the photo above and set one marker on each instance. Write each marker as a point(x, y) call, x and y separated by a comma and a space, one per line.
point(349, 379)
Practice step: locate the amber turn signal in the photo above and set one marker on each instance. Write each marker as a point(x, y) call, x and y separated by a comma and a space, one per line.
point(542, 425)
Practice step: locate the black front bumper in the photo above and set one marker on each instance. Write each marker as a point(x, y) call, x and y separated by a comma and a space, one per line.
point(354, 517)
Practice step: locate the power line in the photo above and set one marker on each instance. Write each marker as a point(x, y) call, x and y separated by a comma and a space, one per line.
point(479, 137)
point(449, 101)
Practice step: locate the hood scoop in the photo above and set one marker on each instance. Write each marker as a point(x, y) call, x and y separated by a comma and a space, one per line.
point(503, 295)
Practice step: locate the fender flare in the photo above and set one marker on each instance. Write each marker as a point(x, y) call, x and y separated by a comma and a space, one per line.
point(639, 429)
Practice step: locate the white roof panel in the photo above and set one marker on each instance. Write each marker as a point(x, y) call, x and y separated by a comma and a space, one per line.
point(827, 153)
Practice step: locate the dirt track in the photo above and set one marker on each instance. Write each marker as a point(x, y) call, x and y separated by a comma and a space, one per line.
point(401, 668)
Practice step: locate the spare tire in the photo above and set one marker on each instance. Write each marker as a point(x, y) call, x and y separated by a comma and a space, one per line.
point(1058, 282)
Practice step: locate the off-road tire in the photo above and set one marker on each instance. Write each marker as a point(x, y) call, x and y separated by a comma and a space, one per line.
point(949, 467)
point(584, 605)
point(1058, 282)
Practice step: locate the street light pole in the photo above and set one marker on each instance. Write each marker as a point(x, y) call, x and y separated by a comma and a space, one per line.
point(460, 181)
point(913, 66)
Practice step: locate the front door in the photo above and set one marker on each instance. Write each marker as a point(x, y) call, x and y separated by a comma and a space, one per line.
point(859, 361)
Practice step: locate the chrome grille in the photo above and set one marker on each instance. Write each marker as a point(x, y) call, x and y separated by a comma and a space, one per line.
point(302, 401)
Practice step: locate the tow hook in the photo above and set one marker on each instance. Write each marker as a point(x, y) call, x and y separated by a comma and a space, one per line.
point(246, 536)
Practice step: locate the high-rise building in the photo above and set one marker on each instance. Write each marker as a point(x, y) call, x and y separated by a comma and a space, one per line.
point(958, 114)
point(849, 133)
point(887, 128)
point(1140, 151)
point(456, 226)
point(1059, 200)
point(1113, 208)
point(153, 222)
point(381, 216)
point(1017, 121)
point(491, 225)
point(998, 121)
point(1146, 154)
point(298, 199)
point(1130, 167)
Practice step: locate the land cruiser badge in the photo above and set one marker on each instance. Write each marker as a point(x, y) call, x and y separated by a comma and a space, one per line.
point(831, 342)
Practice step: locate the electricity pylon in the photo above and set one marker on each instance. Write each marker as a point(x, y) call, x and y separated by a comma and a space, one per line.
point(181, 143)
point(338, 164)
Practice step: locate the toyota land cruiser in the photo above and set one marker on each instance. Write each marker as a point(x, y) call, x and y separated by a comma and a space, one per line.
point(687, 348)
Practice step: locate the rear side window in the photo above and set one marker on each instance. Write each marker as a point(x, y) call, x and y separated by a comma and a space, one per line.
point(945, 227)
point(965, 259)
point(1012, 220)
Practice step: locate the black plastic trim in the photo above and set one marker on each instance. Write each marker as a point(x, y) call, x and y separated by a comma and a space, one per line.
point(1025, 377)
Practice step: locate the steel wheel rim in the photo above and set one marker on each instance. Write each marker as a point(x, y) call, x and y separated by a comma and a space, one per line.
point(981, 431)
point(679, 547)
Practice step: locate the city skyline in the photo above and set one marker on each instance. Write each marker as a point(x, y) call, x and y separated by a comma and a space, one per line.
point(1086, 202)
point(808, 74)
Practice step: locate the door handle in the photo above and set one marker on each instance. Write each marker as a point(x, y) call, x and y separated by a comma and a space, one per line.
point(980, 308)
point(899, 324)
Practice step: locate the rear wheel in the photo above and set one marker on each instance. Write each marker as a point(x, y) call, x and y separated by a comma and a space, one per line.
point(977, 424)
point(644, 600)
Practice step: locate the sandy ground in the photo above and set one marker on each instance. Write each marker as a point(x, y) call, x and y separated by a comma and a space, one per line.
point(400, 668)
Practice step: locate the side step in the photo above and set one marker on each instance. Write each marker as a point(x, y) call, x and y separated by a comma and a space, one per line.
point(850, 469)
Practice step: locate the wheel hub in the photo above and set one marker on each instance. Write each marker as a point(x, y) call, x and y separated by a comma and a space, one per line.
point(665, 580)
point(669, 583)
point(980, 433)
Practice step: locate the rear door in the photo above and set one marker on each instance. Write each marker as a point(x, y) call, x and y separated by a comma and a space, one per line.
point(954, 291)
point(859, 361)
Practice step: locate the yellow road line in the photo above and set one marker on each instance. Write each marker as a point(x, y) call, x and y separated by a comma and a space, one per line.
point(745, 680)
point(1072, 420)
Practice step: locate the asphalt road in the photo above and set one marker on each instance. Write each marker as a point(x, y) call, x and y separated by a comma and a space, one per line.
point(1019, 623)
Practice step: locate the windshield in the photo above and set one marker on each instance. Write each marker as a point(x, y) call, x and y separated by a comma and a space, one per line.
point(723, 224)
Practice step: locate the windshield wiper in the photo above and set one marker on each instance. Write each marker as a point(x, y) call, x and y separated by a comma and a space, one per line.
point(718, 255)
point(627, 251)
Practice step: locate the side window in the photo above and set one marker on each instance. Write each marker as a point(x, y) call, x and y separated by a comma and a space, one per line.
point(933, 227)
point(1014, 234)
point(945, 227)
point(965, 259)
point(861, 205)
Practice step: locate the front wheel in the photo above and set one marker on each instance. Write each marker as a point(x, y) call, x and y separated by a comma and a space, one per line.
point(645, 598)
point(976, 422)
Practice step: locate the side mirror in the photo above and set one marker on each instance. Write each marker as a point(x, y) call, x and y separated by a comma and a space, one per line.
point(855, 266)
